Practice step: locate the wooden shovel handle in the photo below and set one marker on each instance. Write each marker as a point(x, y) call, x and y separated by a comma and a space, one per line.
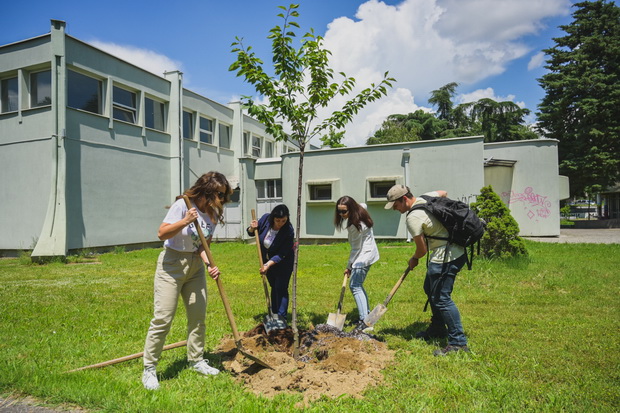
point(398, 283)
point(218, 281)
point(342, 290)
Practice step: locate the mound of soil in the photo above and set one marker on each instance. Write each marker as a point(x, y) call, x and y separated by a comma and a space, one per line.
point(331, 362)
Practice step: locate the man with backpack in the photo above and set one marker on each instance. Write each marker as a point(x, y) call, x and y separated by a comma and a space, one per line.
point(445, 261)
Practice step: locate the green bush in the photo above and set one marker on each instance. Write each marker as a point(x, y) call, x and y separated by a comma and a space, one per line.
point(501, 239)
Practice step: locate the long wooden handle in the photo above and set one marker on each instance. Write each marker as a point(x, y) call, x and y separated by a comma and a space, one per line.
point(342, 290)
point(260, 260)
point(126, 358)
point(218, 281)
point(398, 283)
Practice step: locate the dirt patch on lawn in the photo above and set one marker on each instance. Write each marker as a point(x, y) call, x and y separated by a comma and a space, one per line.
point(331, 362)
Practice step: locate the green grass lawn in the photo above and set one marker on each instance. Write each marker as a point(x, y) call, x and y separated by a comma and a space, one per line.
point(544, 332)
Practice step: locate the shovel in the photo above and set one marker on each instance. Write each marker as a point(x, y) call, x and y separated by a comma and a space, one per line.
point(271, 321)
point(336, 319)
point(374, 316)
point(220, 288)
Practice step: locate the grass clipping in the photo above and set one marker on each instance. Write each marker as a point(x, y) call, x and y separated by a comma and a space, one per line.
point(331, 362)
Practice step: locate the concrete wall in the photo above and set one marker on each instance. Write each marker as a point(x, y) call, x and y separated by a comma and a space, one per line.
point(533, 192)
point(453, 165)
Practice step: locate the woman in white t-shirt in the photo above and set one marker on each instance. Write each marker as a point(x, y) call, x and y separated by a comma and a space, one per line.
point(181, 272)
point(363, 254)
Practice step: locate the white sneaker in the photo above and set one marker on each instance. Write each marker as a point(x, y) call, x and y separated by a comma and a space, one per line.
point(149, 379)
point(203, 367)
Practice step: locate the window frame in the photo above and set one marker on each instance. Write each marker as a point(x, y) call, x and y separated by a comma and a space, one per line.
point(316, 185)
point(373, 181)
point(256, 150)
point(266, 184)
point(99, 92)
point(5, 100)
point(122, 107)
point(206, 132)
point(227, 127)
point(188, 124)
point(162, 107)
point(34, 88)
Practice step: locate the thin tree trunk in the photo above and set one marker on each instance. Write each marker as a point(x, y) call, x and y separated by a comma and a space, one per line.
point(296, 260)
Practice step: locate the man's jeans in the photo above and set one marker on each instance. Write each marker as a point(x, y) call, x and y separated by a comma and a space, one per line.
point(358, 275)
point(438, 287)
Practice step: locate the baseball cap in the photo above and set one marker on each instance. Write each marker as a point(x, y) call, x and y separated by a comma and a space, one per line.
point(395, 192)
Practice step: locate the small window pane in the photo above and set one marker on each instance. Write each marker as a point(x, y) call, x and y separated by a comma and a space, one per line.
point(269, 149)
point(224, 136)
point(246, 142)
point(84, 92)
point(380, 189)
point(260, 189)
point(41, 89)
point(154, 114)
point(206, 130)
point(188, 125)
point(320, 192)
point(8, 92)
point(124, 105)
point(256, 146)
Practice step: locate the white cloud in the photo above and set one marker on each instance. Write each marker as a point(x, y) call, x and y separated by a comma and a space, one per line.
point(487, 93)
point(536, 61)
point(426, 44)
point(144, 58)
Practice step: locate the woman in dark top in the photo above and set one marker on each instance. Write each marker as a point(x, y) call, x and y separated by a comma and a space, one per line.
point(277, 238)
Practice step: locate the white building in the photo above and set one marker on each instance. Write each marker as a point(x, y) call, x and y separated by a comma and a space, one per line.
point(92, 150)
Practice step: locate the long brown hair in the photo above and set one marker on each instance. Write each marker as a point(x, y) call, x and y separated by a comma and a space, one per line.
point(204, 194)
point(357, 214)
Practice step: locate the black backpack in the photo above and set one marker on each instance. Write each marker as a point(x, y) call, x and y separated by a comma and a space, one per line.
point(463, 225)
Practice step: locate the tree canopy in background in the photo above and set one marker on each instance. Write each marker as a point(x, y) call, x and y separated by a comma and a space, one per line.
point(497, 121)
point(581, 107)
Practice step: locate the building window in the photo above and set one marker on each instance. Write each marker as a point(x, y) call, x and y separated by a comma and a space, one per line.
point(154, 114)
point(380, 189)
point(206, 130)
point(8, 95)
point(268, 188)
point(256, 146)
point(188, 125)
point(41, 88)
point(246, 142)
point(224, 136)
point(268, 149)
point(124, 105)
point(320, 192)
point(84, 92)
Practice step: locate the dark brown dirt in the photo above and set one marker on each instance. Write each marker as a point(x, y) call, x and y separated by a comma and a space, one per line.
point(330, 362)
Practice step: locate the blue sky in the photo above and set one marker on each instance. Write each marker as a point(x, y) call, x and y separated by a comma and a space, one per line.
point(490, 47)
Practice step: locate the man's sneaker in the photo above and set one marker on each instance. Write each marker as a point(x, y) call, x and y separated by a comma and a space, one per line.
point(203, 367)
point(149, 379)
point(450, 349)
point(429, 335)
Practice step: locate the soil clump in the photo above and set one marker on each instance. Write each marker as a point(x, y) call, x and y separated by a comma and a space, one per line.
point(331, 362)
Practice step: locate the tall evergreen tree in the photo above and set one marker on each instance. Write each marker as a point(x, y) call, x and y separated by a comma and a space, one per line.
point(581, 107)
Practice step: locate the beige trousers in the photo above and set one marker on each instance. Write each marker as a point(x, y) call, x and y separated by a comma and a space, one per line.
point(177, 273)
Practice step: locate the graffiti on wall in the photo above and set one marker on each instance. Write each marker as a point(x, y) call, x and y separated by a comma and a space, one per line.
point(536, 205)
point(468, 199)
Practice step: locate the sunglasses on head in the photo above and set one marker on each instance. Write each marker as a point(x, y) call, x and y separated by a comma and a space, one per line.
point(221, 195)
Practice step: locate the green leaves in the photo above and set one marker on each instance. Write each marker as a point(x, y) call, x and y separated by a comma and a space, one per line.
point(582, 101)
point(303, 81)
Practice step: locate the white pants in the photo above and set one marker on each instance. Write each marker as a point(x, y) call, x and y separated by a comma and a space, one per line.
point(178, 273)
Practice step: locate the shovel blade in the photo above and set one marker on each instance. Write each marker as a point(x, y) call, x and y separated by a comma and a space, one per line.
point(336, 320)
point(374, 316)
point(253, 357)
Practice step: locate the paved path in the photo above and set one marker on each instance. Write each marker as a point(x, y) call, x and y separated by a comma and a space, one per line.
point(588, 236)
